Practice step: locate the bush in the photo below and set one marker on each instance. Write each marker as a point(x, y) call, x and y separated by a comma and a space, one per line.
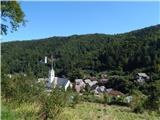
point(107, 99)
point(153, 101)
point(73, 99)
point(120, 83)
point(52, 104)
point(20, 89)
point(90, 97)
point(114, 100)
point(75, 74)
point(138, 103)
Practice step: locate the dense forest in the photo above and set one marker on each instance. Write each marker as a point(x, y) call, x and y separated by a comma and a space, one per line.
point(86, 54)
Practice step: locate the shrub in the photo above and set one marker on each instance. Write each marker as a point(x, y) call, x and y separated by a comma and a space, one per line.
point(107, 99)
point(119, 100)
point(153, 101)
point(120, 83)
point(20, 89)
point(75, 74)
point(73, 100)
point(52, 104)
point(90, 97)
point(138, 103)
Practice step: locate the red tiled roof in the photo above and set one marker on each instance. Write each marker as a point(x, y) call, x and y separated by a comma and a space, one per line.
point(115, 93)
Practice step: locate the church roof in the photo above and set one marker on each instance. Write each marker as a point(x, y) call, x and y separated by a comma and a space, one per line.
point(61, 82)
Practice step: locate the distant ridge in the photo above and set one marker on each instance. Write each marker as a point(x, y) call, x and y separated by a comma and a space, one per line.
point(138, 49)
point(74, 35)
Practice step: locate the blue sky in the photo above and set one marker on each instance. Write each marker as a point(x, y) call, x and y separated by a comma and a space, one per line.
point(47, 19)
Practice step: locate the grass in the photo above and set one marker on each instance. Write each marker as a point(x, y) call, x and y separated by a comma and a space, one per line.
point(82, 111)
point(95, 111)
point(7, 113)
point(25, 111)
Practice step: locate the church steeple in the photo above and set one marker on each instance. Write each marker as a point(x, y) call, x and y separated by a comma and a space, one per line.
point(52, 72)
point(53, 81)
point(52, 75)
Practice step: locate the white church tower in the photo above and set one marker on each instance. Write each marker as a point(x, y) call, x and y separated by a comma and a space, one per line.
point(52, 80)
point(51, 76)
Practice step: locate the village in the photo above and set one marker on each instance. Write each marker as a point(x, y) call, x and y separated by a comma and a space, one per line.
point(97, 86)
point(93, 85)
point(88, 90)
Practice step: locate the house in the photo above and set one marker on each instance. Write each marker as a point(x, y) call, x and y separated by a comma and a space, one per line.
point(93, 78)
point(91, 85)
point(103, 82)
point(63, 82)
point(54, 82)
point(104, 76)
point(115, 93)
point(109, 90)
point(141, 77)
point(100, 89)
point(87, 81)
point(79, 85)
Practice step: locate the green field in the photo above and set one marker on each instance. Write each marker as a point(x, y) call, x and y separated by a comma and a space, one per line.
point(82, 111)
point(95, 111)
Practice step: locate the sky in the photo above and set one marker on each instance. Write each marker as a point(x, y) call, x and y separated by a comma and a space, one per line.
point(48, 19)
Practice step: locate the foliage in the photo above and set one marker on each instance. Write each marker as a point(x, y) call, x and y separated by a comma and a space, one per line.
point(92, 53)
point(82, 111)
point(75, 74)
point(12, 111)
point(96, 111)
point(20, 88)
point(24, 93)
point(153, 101)
point(6, 113)
point(90, 97)
point(138, 102)
point(11, 13)
point(113, 100)
point(53, 104)
point(120, 83)
point(74, 99)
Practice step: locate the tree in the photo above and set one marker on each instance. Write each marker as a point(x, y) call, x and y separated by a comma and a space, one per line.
point(52, 104)
point(138, 102)
point(120, 84)
point(11, 15)
point(75, 74)
point(153, 102)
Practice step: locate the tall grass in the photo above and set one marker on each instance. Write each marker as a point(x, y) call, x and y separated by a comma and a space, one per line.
point(95, 111)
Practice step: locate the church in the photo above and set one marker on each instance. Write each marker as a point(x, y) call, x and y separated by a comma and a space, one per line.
point(53, 82)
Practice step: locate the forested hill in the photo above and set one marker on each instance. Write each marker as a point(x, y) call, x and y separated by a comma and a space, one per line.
point(92, 53)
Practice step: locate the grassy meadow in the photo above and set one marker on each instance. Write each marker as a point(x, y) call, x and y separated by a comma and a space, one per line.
point(95, 111)
point(81, 111)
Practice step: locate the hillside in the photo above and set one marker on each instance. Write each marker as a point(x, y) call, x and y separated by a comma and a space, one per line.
point(95, 111)
point(82, 111)
point(119, 57)
point(86, 54)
